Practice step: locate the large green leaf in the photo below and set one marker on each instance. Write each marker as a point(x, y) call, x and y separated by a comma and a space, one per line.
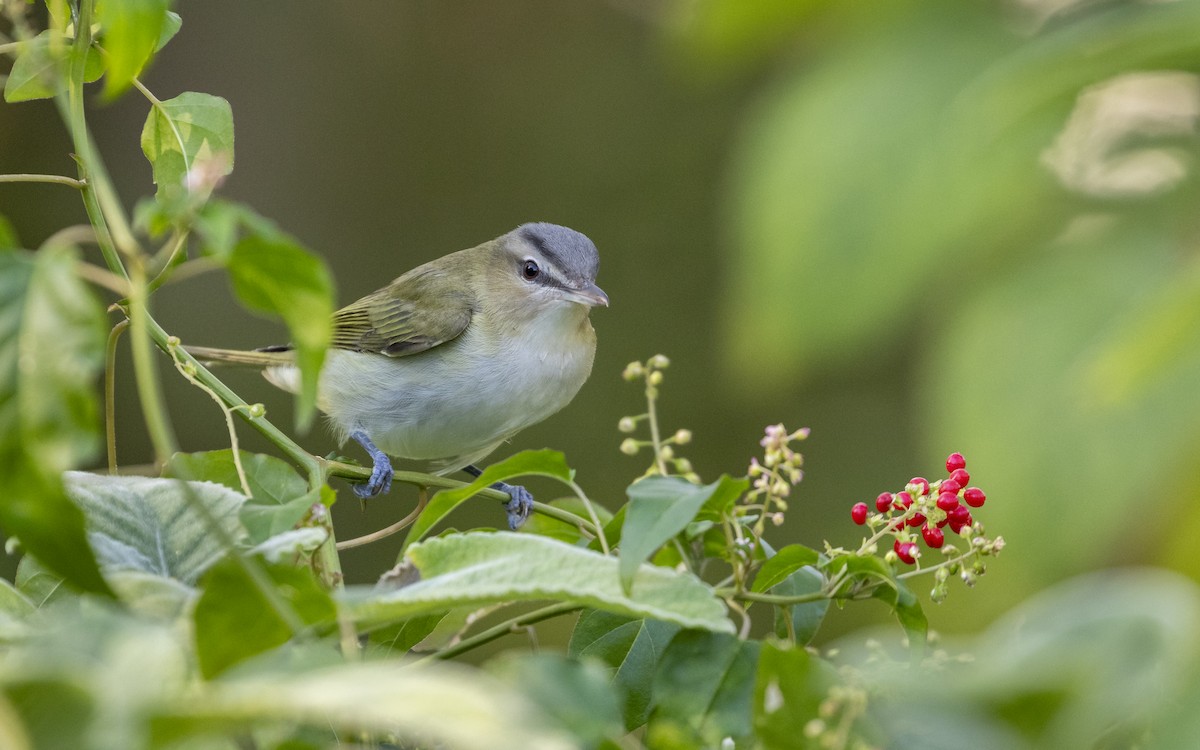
point(704, 689)
point(40, 69)
point(51, 348)
point(279, 497)
point(789, 689)
point(131, 31)
point(189, 142)
point(151, 525)
point(478, 569)
point(437, 705)
point(631, 649)
point(659, 508)
point(271, 273)
point(233, 621)
point(546, 463)
point(576, 695)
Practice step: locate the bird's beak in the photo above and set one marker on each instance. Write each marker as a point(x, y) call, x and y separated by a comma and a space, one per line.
point(590, 295)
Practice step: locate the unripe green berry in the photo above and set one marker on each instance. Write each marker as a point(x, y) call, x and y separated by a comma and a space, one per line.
point(257, 411)
point(683, 437)
point(172, 342)
point(633, 371)
point(666, 453)
point(627, 424)
point(683, 466)
point(659, 362)
point(629, 447)
point(655, 378)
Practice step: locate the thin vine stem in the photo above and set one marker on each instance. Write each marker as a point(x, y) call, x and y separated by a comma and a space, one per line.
point(502, 629)
point(110, 393)
point(51, 179)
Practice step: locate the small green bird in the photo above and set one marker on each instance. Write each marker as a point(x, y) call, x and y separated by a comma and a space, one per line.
point(456, 356)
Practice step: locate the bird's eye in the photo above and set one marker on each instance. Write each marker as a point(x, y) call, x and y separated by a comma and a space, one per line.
point(530, 270)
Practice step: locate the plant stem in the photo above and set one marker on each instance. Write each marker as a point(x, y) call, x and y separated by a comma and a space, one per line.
point(504, 628)
point(154, 407)
point(110, 393)
point(53, 179)
point(751, 596)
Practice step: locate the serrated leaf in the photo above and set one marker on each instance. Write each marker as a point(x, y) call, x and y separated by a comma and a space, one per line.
point(279, 496)
point(233, 621)
point(470, 569)
point(273, 274)
point(189, 143)
point(659, 508)
point(131, 31)
point(148, 525)
point(705, 687)
point(546, 463)
point(632, 648)
point(40, 70)
point(51, 348)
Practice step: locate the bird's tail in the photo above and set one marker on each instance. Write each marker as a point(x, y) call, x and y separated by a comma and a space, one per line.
point(271, 356)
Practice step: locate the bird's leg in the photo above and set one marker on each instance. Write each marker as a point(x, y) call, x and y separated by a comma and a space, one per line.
point(520, 502)
point(381, 474)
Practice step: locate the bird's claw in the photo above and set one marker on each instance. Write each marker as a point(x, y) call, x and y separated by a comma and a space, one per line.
point(380, 481)
point(519, 506)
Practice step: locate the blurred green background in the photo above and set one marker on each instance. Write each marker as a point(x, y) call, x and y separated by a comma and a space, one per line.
point(915, 227)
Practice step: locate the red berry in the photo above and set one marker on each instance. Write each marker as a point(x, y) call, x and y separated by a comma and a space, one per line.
point(906, 551)
point(959, 514)
point(974, 497)
point(924, 485)
point(859, 513)
point(903, 501)
point(934, 536)
point(943, 522)
point(948, 501)
point(955, 461)
point(916, 519)
point(961, 476)
point(883, 502)
point(951, 486)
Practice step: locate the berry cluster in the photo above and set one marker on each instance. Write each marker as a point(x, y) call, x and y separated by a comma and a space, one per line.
point(921, 512)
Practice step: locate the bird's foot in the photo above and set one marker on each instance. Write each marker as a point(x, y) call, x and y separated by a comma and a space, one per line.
point(381, 475)
point(519, 506)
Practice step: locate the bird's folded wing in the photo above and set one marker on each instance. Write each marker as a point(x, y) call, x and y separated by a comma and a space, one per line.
point(416, 312)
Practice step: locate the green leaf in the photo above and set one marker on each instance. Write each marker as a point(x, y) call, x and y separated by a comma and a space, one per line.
point(575, 695)
point(38, 73)
point(131, 31)
point(479, 569)
point(149, 525)
point(782, 564)
point(402, 637)
point(789, 689)
point(152, 596)
point(907, 608)
point(51, 348)
point(546, 463)
point(234, 621)
point(440, 705)
point(8, 235)
point(564, 531)
point(273, 274)
point(279, 496)
point(14, 608)
point(799, 622)
point(171, 25)
point(659, 508)
point(704, 688)
point(189, 142)
point(631, 649)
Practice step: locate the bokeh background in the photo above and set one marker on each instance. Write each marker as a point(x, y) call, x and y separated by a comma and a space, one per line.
point(914, 226)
